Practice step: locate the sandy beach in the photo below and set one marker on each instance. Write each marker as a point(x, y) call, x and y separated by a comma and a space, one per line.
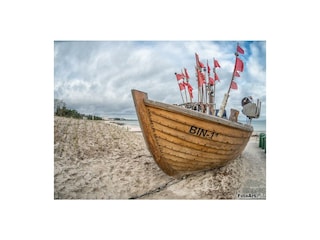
point(101, 160)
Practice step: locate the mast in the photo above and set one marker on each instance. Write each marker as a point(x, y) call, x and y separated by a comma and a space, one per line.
point(205, 89)
point(180, 91)
point(214, 88)
point(180, 85)
point(238, 65)
point(226, 95)
point(210, 92)
point(199, 78)
point(185, 91)
point(188, 84)
point(213, 85)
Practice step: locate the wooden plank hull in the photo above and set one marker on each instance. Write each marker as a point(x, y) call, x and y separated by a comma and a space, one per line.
point(183, 141)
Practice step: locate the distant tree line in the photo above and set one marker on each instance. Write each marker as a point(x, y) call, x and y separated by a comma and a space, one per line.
point(60, 109)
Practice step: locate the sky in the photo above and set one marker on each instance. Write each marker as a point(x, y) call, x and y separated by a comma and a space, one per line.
point(96, 77)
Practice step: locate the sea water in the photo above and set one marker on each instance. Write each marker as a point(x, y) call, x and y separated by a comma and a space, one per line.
point(124, 119)
point(259, 125)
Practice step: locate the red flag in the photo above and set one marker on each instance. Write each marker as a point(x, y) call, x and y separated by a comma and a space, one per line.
point(239, 65)
point(201, 78)
point(216, 64)
point(216, 77)
point(211, 81)
point(186, 73)
point(181, 86)
point(234, 85)
point(199, 64)
point(208, 67)
point(236, 74)
point(240, 50)
point(179, 76)
point(189, 89)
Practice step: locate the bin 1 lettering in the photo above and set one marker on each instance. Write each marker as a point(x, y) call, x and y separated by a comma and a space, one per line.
point(202, 132)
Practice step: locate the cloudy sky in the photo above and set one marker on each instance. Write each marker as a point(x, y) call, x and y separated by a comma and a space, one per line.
point(96, 77)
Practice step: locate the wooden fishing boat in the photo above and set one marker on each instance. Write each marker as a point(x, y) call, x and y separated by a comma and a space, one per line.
point(195, 136)
point(183, 141)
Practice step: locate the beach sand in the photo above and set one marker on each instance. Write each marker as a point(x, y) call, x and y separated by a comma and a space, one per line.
point(101, 160)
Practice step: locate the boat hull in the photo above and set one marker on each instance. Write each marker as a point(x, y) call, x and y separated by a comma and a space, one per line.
point(183, 141)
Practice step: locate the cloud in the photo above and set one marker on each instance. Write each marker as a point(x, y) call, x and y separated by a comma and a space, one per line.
point(96, 77)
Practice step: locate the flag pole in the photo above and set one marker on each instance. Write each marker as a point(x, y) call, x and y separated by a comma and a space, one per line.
point(214, 87)
point(187, 79)
point(199, 92)
point(201, 81)
point(190, 93)
point(184, 86)
point(212, 92)
point(181, 93)
point(206, 87)
point(203, 86)
point(179, 87)
point(209, 92)
point(198, 72)
point(226, 96)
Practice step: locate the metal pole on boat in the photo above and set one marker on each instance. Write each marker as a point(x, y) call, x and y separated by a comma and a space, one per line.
point(204, 98)
point(181, 95)
point(211, 93)
point(208, 91)
point(188, 85)
point(185, 91)
point(205, 87)
point(179, 88)
point(226, 96)
point(211, 99)
point(197, 77)
point(200, 76)
point(214, 88)
point(201, 81)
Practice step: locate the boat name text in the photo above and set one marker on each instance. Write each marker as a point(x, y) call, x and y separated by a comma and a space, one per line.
point(202, 132)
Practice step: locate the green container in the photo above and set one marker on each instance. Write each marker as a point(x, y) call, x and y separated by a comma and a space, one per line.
point(262, 140)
